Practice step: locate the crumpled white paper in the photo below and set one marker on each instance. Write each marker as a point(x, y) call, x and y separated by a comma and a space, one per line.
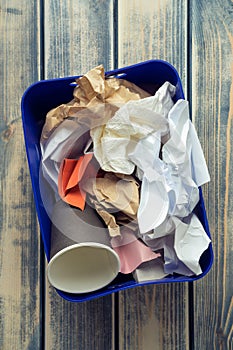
point(150, 271)
point(154, 200)
point(191, 241)
point(169, 185)
point(183, 247)
point(133, 121)
point(172, 264)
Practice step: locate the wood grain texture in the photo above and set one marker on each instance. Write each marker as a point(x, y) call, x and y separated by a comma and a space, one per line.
point(155, 29)
point(153, 317)
point(212, 100)
point(197, 38)
point(78, 36)
point(20, 303)
point(78, 326)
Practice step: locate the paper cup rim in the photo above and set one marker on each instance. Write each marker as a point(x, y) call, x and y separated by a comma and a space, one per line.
point(57, 285)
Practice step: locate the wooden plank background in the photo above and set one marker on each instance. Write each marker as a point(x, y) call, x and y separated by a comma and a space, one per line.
point(212, 103)
point(52, 38)
point(20, 264)
point(154, 320)
point(84, 36)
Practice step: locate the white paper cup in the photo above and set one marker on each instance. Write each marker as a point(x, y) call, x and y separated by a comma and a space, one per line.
point(82, 259)
point(83, 267)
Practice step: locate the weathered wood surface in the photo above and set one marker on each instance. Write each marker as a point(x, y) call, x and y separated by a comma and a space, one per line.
point(151, 317)
point(46, 39)
point(212, 103)
point(77, 36)
point(80, 39)
point(20, 269)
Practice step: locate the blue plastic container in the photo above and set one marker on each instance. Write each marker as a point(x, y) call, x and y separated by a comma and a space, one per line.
point(42, 96)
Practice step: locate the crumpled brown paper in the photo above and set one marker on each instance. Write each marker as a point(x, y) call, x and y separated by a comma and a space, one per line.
point(114, 195)
point(95, 97)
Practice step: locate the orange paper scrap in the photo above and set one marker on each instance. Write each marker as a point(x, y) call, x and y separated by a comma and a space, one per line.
point(70, 175)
